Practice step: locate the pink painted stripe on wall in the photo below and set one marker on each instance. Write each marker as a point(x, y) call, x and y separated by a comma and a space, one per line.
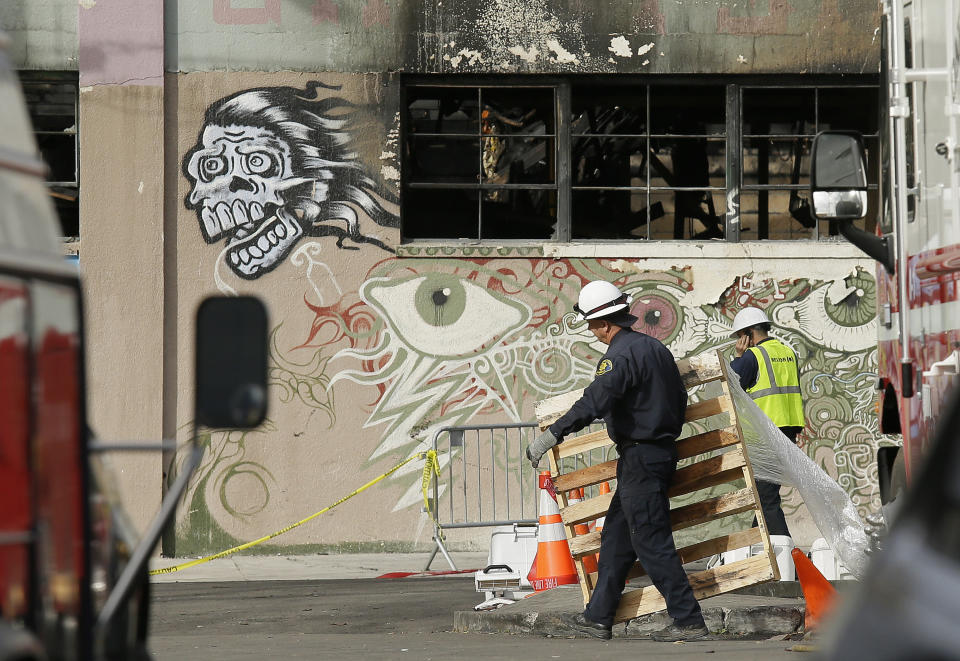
point(120, 42)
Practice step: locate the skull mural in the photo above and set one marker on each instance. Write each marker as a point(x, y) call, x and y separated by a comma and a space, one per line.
point(275, 164)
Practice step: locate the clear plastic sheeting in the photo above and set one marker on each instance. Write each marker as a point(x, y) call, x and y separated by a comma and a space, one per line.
point(774, 458)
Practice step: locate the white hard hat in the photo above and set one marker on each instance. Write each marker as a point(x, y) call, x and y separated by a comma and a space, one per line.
point(748, 317)
point(600, 299)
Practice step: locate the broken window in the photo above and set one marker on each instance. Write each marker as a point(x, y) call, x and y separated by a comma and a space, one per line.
point(480, 163)
point(637, 160)
point(51, 99)
point(647, 162)
point(779, 125)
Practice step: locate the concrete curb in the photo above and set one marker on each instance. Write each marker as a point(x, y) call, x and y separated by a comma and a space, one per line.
point(727, 616)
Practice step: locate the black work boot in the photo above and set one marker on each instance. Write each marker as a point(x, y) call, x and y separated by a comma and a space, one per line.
point(675, 632)
point(581, 624)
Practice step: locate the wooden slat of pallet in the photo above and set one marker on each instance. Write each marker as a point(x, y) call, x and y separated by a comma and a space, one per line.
point(708, 441)
point(693, 514)
point(690, 515)
point(705, 409)
point(707, 583)
point(690, 553)
point(585, 443)
point(705, 511)
point(699, 369)
point(585, 477)
point(582, 545)
point(716, 479)
point(701, 475)
point(586, 580)
point(706, 473)
point(549, 410)
point(707, 548)
point(586, 510)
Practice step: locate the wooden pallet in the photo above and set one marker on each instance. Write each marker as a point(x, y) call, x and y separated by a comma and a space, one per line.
point(724, 461)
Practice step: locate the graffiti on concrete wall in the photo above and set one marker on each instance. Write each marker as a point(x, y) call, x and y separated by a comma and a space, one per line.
point(464, 340)
point(371, 356)
point(423, 343)
point(273, 165)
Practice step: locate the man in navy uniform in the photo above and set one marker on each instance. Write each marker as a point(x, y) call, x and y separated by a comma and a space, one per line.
point(641, 398)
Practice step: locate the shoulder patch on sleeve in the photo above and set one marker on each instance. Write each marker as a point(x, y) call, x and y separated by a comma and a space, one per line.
point(606, 365)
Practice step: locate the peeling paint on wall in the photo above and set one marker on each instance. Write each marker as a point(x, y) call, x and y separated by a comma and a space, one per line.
point(472, 57)
point(390, 173)
point(620, 46)
point(527, 55)
point(562, 54)
point(528, 30)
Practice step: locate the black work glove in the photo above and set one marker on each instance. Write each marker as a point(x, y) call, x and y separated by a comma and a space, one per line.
point(539, 447)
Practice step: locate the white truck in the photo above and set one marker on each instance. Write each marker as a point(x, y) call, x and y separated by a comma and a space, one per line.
point(908, 603)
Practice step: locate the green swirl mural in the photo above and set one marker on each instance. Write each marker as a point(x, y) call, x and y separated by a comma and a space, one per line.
point(442, 342)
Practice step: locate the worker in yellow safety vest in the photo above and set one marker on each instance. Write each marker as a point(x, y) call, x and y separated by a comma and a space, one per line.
point(770, 373)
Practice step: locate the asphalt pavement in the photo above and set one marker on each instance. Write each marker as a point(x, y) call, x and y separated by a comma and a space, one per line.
point(238, 567)
point(774, 609)
point(370, 618)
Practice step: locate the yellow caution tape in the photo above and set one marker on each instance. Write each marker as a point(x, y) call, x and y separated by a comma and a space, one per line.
point(431, 467)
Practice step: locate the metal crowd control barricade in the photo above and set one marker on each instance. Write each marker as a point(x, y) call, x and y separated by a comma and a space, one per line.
point(485, 479)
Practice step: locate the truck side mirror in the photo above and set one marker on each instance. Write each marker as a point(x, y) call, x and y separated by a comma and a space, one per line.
point(231, 362)
point(838, 177)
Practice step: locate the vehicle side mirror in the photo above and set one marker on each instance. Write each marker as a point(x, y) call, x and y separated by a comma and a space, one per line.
point(838, 177)
point(231, 362)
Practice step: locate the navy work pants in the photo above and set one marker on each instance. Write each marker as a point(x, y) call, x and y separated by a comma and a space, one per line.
point(769, 493)
point(637, 527)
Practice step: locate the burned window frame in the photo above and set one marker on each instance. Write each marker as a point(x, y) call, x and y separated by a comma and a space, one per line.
point(801, 141)
point(64, 191)
point(490, 126)
point(734, 139)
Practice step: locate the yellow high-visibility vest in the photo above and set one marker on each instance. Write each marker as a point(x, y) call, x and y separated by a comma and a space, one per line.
point(777, 390)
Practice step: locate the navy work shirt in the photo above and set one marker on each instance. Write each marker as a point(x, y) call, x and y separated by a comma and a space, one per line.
point(747, 368)
point(638, 393)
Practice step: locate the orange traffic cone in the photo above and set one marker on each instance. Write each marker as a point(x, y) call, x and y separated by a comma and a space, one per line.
point(589, 561)
point(817, 591)
point(553, 564)
point(598, 526)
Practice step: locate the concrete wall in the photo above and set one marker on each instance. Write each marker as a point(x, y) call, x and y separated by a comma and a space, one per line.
point(42, 33)
point(639, 36)
point(122, 235)
point(366, 362)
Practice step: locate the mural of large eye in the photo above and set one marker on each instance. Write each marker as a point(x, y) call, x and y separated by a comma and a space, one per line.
point(439, 314)
point(859, 306)
point(840, 316)
point(212, 167)
point(261, 163)
point(657, 315)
